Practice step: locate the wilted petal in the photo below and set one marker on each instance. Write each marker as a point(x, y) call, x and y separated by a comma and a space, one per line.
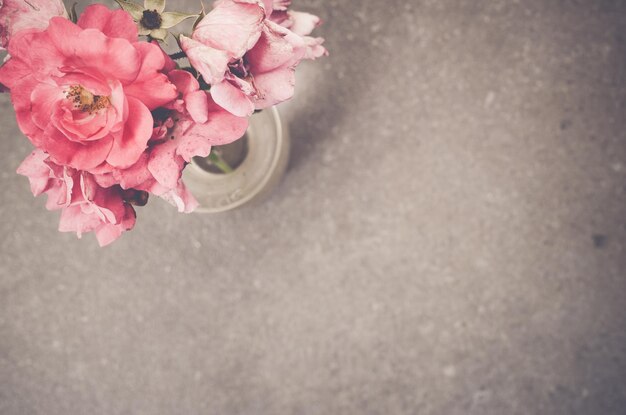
point(232, 99)
point(233, 26)
point(108, 233)
point(182, 198)
point(165, 165)
point(274, 87)
point(211, 63)
point(37, 171)
point(303, 23)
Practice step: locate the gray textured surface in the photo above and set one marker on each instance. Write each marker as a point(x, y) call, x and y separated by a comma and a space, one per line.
point(449, 240)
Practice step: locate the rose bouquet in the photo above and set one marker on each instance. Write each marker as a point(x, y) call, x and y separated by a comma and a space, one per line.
point(113, 118)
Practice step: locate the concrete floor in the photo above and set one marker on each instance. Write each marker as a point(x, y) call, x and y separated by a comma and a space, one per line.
point(449, 239)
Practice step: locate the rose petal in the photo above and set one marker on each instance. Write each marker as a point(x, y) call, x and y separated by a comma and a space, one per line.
point(151, 86)
point(182, 198)
point(165, 165)
point(78, 156)
point(113, 23)
point(275, 87)
point(17, 15)
point(109, 233)
point(132, 141)
point(37, 171)
point(303, 23)
point(232, 26)
point(212, 63)
point(232, 99)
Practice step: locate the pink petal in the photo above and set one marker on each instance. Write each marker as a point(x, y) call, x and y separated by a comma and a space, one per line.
point(43, 103)
point(73, 219)
point(221, 128)
point(281, 5)
point(182, 198)
point(274, 87)
point(232, 99)
point(196, 104)
point(135, 175)
point(16, 15)
point(277, 47)
point(109, 233)
point(165, 165)
point(314, 48)
point(271, 52)
point(170, 64)
point(108, 201)
point(92, 51)
point(184, 81)
point(233, 26)
point(32, 55)
point(92, 82)
point(113, 23)
point(303, 23)
point(268, 5)
point(78, 156)
point(210, 62)
point(129, 144)
point(151, 86)
point(37, 171)
point(58, 196)
point(82, 126)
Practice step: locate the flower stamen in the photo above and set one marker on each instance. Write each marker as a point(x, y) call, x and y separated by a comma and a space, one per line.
point(151, 19)
point(85, 101)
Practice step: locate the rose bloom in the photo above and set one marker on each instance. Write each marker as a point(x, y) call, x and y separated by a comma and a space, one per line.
point(83, 92)
point(16, 15)
point(85, 206)
point(248, 59)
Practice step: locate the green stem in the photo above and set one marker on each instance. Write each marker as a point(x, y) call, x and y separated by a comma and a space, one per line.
point(216, 159)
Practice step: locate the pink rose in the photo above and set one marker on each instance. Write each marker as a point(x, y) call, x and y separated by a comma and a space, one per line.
point(83, 92)
point(249, 65)
point(16, 15)
point(85, 206)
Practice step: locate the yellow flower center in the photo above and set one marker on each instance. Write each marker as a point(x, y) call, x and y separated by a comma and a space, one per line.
point(85, 101)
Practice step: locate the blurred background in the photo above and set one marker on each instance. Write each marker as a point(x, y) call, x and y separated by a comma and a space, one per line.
point(449, 239)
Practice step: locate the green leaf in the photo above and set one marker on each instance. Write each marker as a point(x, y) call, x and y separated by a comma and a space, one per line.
point(171, 19)
point(159, 34)
point(135, 10)
point(200, 16)
point(143, 31)
point(158, 5)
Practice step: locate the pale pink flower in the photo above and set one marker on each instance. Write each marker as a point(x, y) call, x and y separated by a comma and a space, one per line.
point(248, 60)
point(83, 92)
point(301, 24)
point(85, 206)
point(16, 15)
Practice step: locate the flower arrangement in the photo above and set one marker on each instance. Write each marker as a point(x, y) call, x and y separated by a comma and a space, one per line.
point(113, 118)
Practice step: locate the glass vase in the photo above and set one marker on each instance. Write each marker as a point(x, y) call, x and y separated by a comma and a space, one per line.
point(258, 161)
